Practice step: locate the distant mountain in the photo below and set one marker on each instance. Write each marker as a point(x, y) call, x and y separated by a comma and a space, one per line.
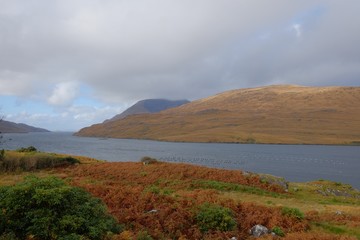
point(11, 127)
point(149, 106)
point(283, 114)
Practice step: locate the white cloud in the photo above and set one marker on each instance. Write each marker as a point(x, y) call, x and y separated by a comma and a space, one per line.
point(63, 94)
point(71, 119)
point(297, 29)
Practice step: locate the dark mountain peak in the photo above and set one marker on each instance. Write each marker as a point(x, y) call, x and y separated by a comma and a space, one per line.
point(149, 106)
point(157, 105)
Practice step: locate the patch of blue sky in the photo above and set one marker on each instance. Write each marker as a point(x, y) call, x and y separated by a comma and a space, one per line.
point(13, 105)
point(310, 16)
point(86, 97)
point(86, 101)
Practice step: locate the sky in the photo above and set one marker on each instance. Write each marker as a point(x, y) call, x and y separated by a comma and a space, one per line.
point(67, 64)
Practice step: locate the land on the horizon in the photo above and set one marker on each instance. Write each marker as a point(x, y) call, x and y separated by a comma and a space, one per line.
point(11, 127)
point(279, 114)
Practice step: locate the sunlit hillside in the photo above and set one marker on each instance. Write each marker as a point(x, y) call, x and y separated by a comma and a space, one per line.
point(275, 114)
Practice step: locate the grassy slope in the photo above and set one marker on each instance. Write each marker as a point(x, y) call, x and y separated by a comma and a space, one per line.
point(275, 114)
point(132, 190)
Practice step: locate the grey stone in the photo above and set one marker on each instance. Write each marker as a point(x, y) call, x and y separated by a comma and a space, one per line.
point(259, 230)
point(153, 211)
point(338, 213)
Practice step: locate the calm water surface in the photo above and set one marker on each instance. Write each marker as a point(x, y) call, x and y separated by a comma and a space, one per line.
point(294, 162)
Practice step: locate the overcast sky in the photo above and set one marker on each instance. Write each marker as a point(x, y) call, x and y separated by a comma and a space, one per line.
point(66, 64)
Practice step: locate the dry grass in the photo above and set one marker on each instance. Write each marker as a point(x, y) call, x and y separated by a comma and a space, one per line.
point(163, 199)
point(133, 190)
point(17, 174)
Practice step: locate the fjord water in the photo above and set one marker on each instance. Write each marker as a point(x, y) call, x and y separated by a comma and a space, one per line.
point(297, 163)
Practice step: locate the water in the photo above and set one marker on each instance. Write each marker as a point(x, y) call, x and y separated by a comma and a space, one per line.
point(297, 163)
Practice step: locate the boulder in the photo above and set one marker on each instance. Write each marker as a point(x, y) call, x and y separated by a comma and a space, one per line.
point(259, 230)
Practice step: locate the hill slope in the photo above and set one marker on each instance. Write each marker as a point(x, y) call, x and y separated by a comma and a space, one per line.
point(273, 114)
point(149, 106)
point(167, 199)
point(11, 127)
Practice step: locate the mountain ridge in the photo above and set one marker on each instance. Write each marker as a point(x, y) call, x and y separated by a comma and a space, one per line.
point(148, 106)
point(11, 127)
point(284, 114)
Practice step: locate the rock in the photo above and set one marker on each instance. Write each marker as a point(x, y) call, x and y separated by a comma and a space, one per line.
point(335, 192)
point(274, 180)
point(233, 238)
point(153, 211)
point(338, 213)
point(259, 230)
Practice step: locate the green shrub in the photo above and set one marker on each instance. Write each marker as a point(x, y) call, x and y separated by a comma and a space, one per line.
point(224, 186)
point(292, 212)
point(70, 160)
point(49, 209)
point(278, 231)
point(2, 154)
point(331, 228)
point(215, 217)
point(143, 235)
point(28, 149)
point(8, 236)
point(148, 160)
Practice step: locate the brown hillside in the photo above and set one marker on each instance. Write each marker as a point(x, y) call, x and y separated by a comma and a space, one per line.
point(11, 127)
point(273, 114)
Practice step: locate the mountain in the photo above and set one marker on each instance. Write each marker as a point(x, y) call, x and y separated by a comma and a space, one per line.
point(149, 106)
point(11, 127)
point(283, 114)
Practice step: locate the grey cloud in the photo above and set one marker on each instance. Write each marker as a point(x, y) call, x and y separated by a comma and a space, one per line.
point(130, 50)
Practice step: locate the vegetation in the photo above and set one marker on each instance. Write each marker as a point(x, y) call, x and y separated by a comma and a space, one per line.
point(215, 217)
point(224, 186)
point(292, 212)
point(28, 149)
point(278, 231)
point(28, 159)
point(180, 201)
point(143, 235)
point(50, 209)
point(148, 160)
point(312, 115)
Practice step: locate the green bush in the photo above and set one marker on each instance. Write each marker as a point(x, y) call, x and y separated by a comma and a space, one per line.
point(148, 160)
point(2, 154)
point(28, 149)
point(278, 231)
point(215, 217)
point(292, 212)
point(224, 186)
point(8, 236)
point(143, 235)
point(49, 209)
